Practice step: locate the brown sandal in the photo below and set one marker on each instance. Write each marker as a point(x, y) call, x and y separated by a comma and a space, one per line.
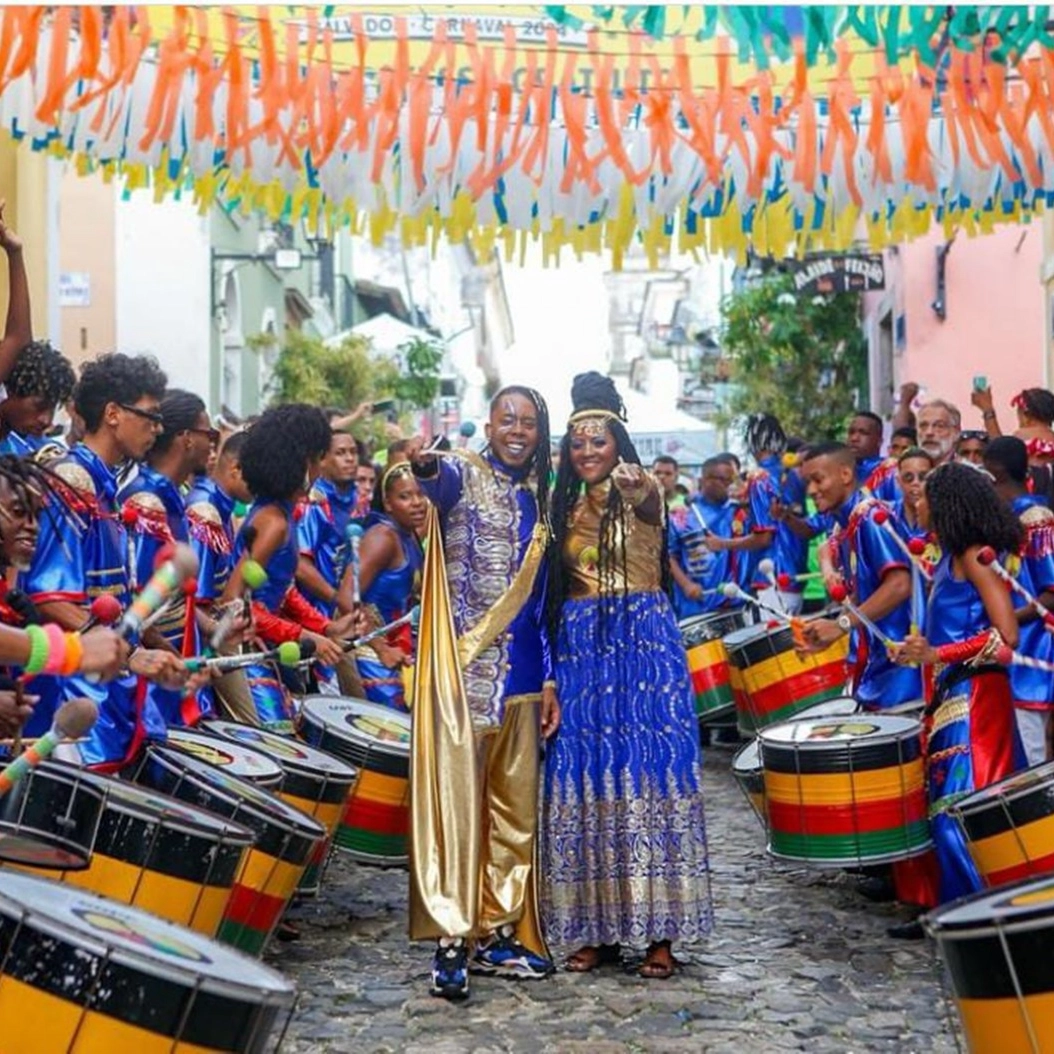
point(588, 958)
point(659, 963)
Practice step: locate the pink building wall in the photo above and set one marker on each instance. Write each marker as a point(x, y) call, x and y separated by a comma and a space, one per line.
point(995, 322)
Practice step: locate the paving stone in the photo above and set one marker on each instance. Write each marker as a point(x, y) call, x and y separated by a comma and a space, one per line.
point(798, 962)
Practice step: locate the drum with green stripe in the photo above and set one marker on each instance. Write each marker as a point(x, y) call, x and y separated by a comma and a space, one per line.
point(375, 740)
point(845, 791)
point(776, 681)
point(708, 662)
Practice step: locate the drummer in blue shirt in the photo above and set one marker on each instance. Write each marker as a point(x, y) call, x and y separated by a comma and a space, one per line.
point(698, 570)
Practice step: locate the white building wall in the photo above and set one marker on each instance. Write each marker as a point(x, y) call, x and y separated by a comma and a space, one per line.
point(162, 287)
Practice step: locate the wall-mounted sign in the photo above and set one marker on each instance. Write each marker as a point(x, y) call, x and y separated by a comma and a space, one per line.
point(830, 273)
point(74, 289)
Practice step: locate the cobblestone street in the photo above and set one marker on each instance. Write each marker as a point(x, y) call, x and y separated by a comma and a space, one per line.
point(798, 961)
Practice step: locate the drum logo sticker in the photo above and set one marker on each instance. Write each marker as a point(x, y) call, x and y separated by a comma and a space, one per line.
point(379, 728)
point(205, 751)
point(138, 931)
point(273, 744)
point(841, 729)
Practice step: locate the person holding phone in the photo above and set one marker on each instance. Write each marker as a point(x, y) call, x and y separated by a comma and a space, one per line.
point(1035, 419)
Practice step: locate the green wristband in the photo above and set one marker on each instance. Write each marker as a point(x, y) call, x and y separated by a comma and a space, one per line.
point(39, 649)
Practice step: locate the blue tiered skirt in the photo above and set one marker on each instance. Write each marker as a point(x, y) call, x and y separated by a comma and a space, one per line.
point(623, 842)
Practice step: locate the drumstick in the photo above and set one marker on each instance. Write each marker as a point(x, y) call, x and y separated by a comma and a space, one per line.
point(881, 517)
point(768, 568)
point(288, 653)
point(20, 699)
point(413, 616)
point(986, 558)
point(162, 584)
point(734, 592)
point(72, 720)
point(354, 534)
point(1006, 656)
point(840, 595)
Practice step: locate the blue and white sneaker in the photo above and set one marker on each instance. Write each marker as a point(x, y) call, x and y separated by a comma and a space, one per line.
point(450, 969)
point(504, 955)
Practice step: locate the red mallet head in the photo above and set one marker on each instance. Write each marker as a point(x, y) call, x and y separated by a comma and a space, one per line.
point(986, 556)
point(880, 516)
point(783, 581)
point(1004, 655)
point(916, 546)
point(164, 554)
point(839, 594)
point(105, 609)
point(190, 587)
point(129, 517)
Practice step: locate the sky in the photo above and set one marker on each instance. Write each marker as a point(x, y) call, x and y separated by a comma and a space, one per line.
point(560, 321)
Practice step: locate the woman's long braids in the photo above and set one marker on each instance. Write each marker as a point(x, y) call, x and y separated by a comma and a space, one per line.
point(613, 521)
point(542, 462)
point(965, 510)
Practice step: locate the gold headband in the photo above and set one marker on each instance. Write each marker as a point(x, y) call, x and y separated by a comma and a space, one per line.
point(394, 470)
point(591, 422)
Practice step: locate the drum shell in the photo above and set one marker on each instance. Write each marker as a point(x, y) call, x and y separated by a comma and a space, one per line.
point(49, 818)
point(746, 762)
point(842, 802)
point(775, 682)
point(285, 841)
point(79, 991)
point(178, 862)
point(1009, 826)
point(708, 662)
point(315, 783)
point(996, 950)
point(375, 824)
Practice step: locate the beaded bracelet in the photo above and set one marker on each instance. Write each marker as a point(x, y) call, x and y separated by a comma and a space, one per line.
point(74, 654)
point(38, 649)
point(56, 649)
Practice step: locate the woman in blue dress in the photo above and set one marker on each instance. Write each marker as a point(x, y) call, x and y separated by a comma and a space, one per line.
point(390, 561)
point(624, 852)
point(969, 726)
point(279, 461)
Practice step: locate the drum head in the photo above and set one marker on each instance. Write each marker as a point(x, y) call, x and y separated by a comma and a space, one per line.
point(1015, 786)
point(239, 793)
point(100, 927)
point(843, 706)
point(288, 752)
point(238, 760)
point(1022, 906)
point(715, 625)
point(815, 734)
point(360, 722)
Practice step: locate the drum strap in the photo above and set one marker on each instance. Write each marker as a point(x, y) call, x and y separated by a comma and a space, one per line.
point(496, 621)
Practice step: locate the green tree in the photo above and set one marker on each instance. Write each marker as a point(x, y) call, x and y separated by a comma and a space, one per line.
point(420, 384)
point(802, 358)
point(308, 371)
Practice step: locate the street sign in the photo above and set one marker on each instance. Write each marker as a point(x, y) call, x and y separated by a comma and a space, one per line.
point(838, 273)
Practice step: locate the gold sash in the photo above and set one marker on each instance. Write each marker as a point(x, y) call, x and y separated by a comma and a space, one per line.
point(444, 813)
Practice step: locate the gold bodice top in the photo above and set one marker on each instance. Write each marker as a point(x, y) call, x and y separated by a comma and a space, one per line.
point(643, 544)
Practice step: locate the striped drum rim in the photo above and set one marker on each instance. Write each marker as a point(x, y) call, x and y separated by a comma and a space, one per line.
point(777, 683)
point(361, 733)
point(82, 972)
point(714, 625)
point(996, 948)
point(1009, 826)
point(845, 790)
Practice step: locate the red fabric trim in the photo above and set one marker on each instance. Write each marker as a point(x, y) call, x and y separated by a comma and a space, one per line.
point(296, 607)
point(51, 598)
point(993, 731)
point(273, 628)
point(211, 535)
point(961, 651)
